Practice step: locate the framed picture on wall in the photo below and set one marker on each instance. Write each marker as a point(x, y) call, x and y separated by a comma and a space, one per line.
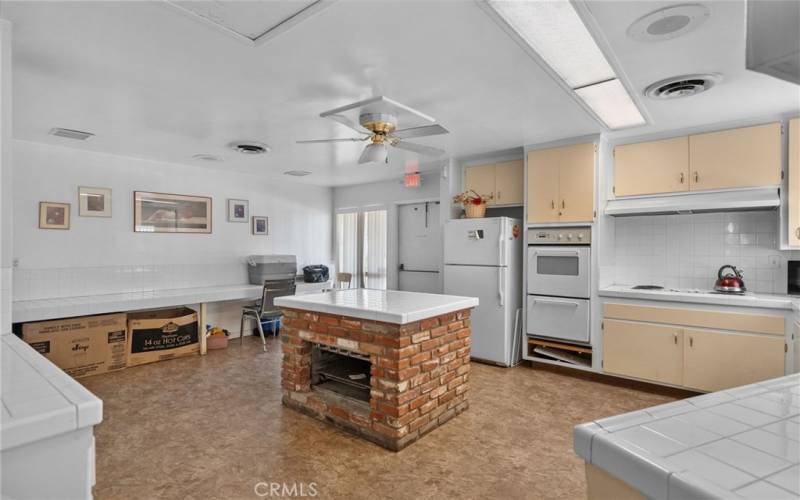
point(53, 215)
point(171, 213)
point(260, 225)
point(238, 210)
point(94, 202)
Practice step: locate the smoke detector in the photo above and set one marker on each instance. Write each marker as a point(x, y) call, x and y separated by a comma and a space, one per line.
point(249, 147)
point(669, 22)
point(681, 86)
point(297, 173)
point(70, 133)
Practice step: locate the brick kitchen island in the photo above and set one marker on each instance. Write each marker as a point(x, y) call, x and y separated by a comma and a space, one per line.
point(388, 366)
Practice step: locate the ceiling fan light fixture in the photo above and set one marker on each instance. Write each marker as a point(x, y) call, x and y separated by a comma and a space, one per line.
point(374, 152)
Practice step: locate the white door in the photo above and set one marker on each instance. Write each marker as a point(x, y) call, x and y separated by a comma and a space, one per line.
point(419, 242)
point(489, 321)
point(475, 242)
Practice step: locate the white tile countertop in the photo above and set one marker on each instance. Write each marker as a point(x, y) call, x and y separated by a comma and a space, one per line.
point(763, 300)
point(738, 443)
point(65, 307)
point(39, 400)
point(390, 306)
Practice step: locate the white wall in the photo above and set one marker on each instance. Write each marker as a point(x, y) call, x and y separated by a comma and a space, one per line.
point(105, 255)
point(6, 205)
point(387, 194)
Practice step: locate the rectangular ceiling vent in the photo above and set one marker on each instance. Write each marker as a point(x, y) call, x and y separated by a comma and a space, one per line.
point(70, 134)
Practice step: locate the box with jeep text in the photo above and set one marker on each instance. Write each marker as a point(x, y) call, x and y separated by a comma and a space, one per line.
point(163, 334)
point(82, 346)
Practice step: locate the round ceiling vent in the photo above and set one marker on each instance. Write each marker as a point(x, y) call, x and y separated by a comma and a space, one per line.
point(669, 22)
point(250, 147)
point(681, 86)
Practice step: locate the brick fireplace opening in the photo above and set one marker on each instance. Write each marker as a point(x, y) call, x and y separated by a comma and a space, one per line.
point(341, 372)
point(387, 383)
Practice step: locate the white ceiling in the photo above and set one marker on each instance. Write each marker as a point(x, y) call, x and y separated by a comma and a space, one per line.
point(153, 82)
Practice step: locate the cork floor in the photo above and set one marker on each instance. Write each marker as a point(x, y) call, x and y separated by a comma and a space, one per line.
point(214, 427)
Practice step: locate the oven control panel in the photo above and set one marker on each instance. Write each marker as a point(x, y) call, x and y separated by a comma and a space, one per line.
point(560, 236)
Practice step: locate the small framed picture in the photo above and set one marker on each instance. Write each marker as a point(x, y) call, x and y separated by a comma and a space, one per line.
point(260, 225)
point(94, 202)
point(53, 215)
point(238, 210)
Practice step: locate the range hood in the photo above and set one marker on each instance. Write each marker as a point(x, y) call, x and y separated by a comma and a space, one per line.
point(682, 203)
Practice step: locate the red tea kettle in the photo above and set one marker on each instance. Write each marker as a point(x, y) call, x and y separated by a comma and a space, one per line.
point(729, 282)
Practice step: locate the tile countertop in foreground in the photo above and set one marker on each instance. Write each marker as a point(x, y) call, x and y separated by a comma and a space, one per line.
point(763, 300)
point(739, 443)
point(390, 306)
point(39, 400)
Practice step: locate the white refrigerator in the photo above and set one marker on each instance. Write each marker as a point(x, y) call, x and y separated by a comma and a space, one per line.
point(483, 258)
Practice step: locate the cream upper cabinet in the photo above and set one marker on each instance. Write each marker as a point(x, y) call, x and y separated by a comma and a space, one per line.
point(480, 178)
point(718, 360)
point(508, 181)
point(561, 184)
point(542, 185)
point(793, 231)
point(645, 351)
point(742, 157)
point(502, 181)
point(576, 183)
point(652, 167)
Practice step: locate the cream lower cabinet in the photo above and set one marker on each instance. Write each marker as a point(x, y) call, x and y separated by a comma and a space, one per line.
point(693, 348)
point(793, 231)
point(714, 360)
point(641, 350)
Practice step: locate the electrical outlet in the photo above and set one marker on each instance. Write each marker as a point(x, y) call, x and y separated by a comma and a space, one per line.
point(15, 263)
point(774, 261)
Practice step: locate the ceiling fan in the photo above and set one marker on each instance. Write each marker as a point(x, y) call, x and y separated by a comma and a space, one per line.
point(377, 123)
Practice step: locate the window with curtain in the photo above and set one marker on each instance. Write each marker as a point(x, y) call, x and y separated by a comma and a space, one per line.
point(374, 249)
point(347, 244)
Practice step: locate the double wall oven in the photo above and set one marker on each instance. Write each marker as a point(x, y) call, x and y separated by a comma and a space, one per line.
point(559, 283)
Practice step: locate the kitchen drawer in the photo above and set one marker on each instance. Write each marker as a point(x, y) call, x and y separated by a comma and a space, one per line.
point(554, 317)
point(739, 322)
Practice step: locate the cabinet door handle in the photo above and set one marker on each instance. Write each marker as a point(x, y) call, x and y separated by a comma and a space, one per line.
point(675, 338)
point(563, 204)
point(553, 204)
point(691, 342)
point(696, 177)
point(797, 232)
point(499, 195)
point(681, 177)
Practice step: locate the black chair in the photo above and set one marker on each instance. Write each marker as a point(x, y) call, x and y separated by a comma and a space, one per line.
point(265, 311)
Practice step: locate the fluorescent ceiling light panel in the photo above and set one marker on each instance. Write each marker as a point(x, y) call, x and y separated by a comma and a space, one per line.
point(555, 31)
point(612, 104)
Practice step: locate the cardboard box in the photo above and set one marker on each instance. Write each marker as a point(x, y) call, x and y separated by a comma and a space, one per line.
point(159, 335)
point(83, 346)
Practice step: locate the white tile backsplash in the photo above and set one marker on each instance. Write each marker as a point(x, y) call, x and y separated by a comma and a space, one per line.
point(32, 284)
point(685, 251)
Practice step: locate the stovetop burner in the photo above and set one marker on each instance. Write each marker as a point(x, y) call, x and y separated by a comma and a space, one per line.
point(648, 287)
